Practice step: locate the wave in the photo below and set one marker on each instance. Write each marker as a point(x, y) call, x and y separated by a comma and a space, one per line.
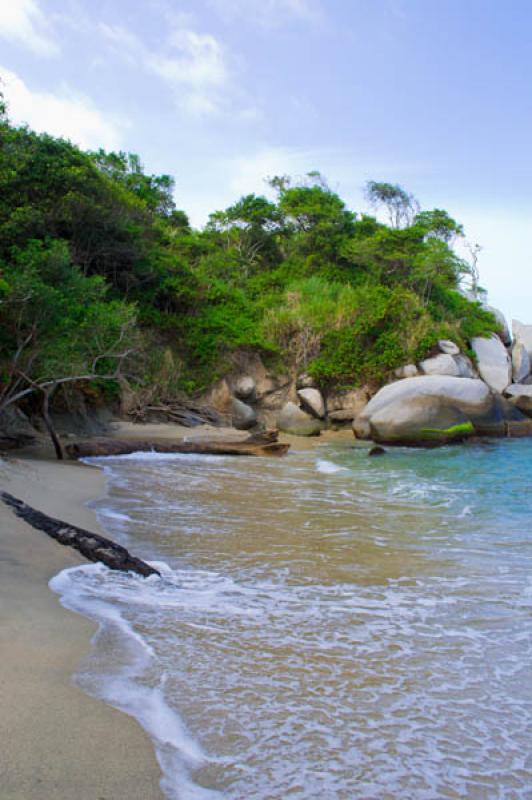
point(123, 682)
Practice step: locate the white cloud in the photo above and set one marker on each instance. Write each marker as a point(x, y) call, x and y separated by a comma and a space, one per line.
point(192, 64)
point(22, 22)
point(269, 13)
point(67, 114)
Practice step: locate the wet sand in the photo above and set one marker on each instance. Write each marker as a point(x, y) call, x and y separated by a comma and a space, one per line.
point(57, 743)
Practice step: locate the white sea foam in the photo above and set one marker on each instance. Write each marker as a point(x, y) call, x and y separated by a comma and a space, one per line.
point(152, 455)
point(110, 514)
point(328, 467)
point(85, 589)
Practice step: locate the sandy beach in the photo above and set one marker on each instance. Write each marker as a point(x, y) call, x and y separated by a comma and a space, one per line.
point(57, 743)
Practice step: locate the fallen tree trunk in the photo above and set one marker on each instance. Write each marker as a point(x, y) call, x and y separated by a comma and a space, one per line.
point(91, 545)
point(257, 445)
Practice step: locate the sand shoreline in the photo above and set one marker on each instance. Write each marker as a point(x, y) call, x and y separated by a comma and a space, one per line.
point(57, 742)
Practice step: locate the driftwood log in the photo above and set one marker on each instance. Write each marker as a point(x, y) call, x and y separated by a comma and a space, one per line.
point(91, 545)
point(263, 444)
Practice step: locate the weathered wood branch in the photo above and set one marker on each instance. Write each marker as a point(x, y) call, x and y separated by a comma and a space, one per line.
point(257, 445)
point(91, 545)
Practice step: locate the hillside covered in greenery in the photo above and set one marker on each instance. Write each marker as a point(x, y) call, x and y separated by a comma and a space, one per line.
point(101, 276)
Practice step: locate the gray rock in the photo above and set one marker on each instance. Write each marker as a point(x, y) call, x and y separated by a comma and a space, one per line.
point(523, 335)
point(344, 406)
point(465, 366)
point(246, 389)
point(448, 347)
point(494, 363)
point(305, 381)
point(242, 415)
point(504, 331)
point(406, 371)
point(520, 362)
point(425, 410)
point(294, 420)
point(442, 364)
point(312, 402)
point(520, 396)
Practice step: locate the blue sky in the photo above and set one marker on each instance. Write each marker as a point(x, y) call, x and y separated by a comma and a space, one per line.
point(433, 94)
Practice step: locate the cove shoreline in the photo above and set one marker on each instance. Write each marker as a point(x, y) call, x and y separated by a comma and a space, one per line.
point(57, 741)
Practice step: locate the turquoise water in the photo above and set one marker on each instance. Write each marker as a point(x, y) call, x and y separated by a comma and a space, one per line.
point(327, 625)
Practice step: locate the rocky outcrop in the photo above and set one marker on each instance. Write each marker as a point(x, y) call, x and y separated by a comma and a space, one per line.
point(243, 417)
point(294, 420)
point(521, 397)
point(430, 409)
point(494, 363)
point(520, 362)
point(312, 402)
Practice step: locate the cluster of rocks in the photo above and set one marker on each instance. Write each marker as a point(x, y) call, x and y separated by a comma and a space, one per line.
point(250, 396)
point(446, 398)
point(309, 412)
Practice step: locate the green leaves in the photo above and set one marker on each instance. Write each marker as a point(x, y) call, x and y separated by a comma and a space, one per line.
point(94, 256)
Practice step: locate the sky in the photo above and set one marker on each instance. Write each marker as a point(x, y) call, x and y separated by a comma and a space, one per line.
point(432, 94)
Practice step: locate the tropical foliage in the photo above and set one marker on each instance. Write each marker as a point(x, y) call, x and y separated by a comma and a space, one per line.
point(100, 275)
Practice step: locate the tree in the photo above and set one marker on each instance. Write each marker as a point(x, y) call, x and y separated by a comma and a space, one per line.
point(156, 191)
point(438, 223)
point(474, 251)
point(401, 206)
point(248, 230)
point(57, 327)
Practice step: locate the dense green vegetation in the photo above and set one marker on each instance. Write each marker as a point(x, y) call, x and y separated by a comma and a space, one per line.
point(100, 275)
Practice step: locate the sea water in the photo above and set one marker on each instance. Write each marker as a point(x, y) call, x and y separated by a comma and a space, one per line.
point(326, 625)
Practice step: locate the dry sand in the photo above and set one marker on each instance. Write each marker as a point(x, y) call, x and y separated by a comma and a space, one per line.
point(56, 742)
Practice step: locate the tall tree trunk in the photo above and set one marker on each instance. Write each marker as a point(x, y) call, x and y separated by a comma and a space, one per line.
point(49, 425)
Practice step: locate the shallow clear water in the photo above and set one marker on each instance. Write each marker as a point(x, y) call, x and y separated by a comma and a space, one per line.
point(328, 625)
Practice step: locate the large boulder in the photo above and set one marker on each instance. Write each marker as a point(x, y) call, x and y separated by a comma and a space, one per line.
point(442, 364)
point(294, 420)
point(520, 396)
point(504, 331)
point(520, 362)
point(523, 335)
point(312, 401)
point(494, 363)
point(429, 409)
point(246, 389)
point(243, 416)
